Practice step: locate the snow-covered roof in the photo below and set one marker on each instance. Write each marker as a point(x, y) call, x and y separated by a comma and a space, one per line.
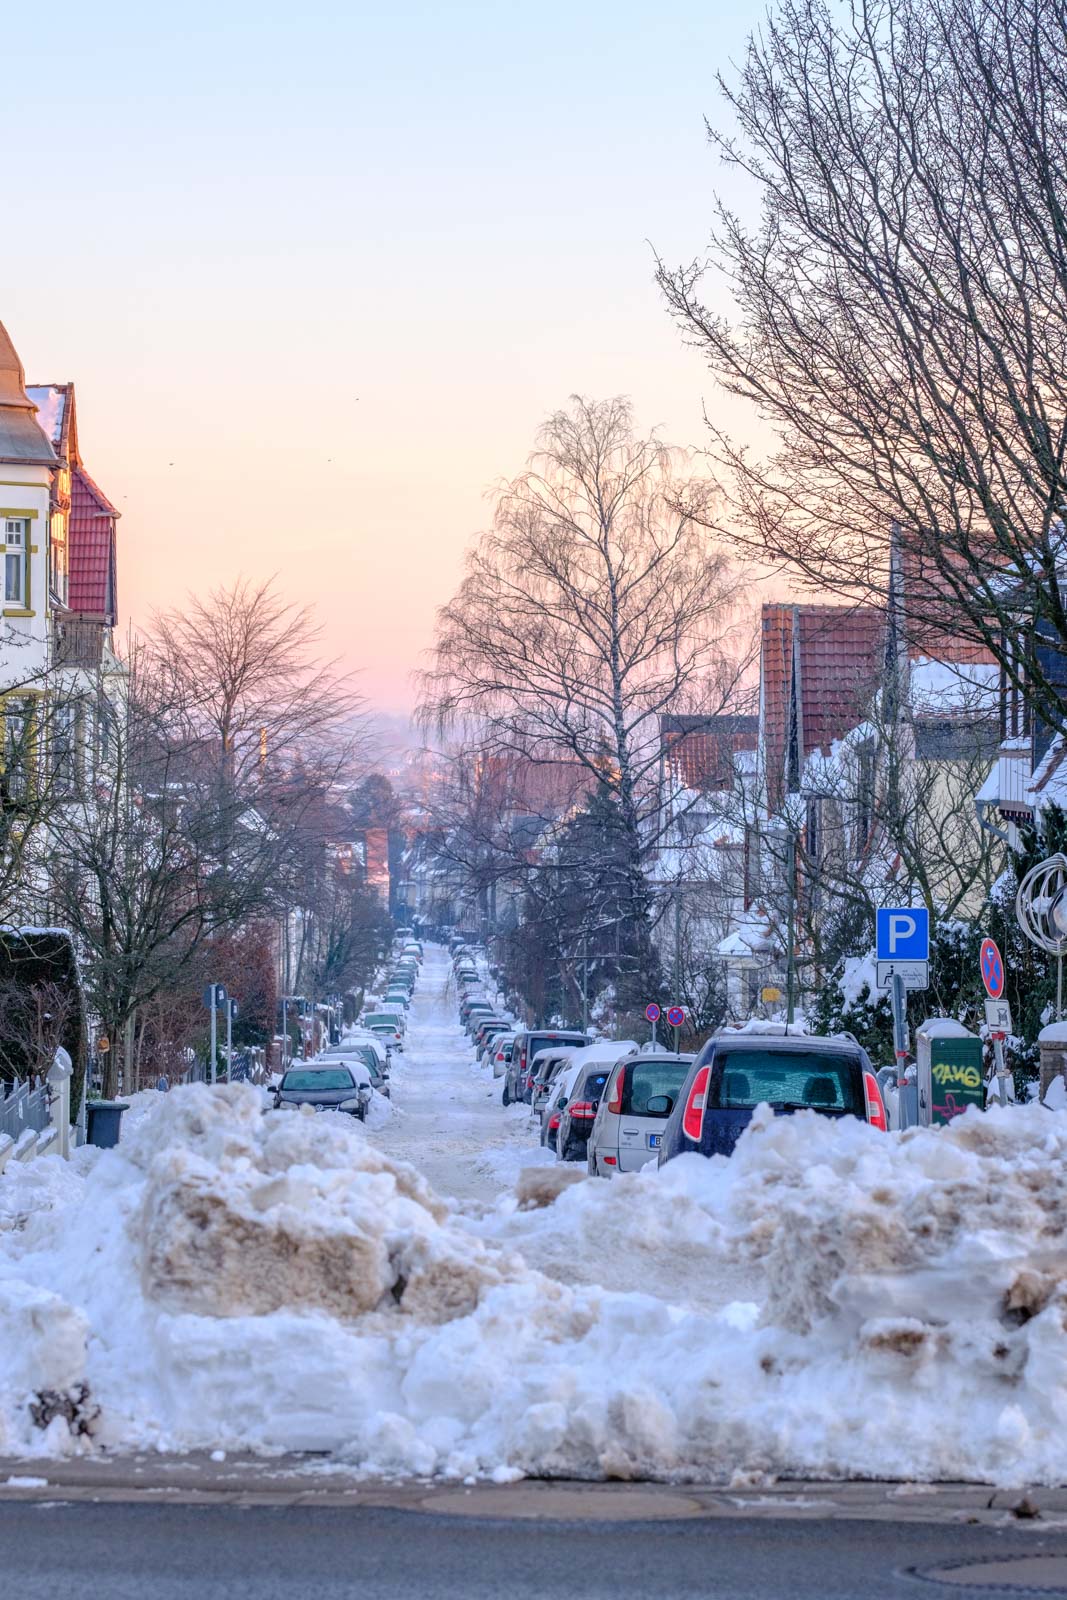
point(947, 687)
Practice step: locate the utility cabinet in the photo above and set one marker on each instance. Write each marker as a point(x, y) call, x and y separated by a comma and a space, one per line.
point(950, 1070)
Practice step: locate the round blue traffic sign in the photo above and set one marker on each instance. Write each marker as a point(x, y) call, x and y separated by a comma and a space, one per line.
point(676, 1016)
point(992, 970)
point(653, 1012)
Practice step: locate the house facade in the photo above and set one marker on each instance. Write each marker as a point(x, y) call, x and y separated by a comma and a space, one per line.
point(61, 684)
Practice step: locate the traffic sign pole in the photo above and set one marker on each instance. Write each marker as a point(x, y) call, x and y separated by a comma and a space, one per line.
point(214, 1041)
point(993, 976)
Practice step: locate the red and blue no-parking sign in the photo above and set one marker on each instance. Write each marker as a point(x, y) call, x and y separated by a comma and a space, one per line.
point(676, 1016)
point(652, 1011)
point(992, 969)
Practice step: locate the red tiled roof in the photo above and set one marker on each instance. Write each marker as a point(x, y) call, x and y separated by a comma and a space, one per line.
point(700, 751)
point(837, 653)
point(92, 549)
point(932, 633)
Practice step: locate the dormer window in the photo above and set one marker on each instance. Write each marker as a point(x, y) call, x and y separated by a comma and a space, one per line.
point(16, 549)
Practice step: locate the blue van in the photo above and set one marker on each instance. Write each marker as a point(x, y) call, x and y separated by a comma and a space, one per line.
point(736, 1072)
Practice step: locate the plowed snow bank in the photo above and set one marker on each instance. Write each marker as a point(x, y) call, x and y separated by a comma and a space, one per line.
point(228, 1278)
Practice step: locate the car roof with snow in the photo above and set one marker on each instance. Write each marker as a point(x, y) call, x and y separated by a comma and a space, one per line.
point(601, 1053)
point(328, 1063)
point(793, 1042)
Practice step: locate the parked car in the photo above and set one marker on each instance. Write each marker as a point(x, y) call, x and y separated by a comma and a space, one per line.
point(365, 1054)
point(637, 1100)
point(518, 1081)
point(736, 1072)
point(500, 1054)
point(547, 1065)
point(326, 1085)
point(487, 1044)
point(566, 1081)
point(485, 1029)
point(385, 1017)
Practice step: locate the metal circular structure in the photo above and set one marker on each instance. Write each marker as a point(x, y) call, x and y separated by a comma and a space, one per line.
point(653, 1012)
point(1041, 905)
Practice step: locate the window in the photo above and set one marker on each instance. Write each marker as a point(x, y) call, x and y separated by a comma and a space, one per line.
point(821, 1080)
point(65, 744)
point(17, 749)
point(57, 557)
point(649, 1079)
point(16, 548)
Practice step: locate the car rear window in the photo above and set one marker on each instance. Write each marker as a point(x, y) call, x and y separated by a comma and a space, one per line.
point(381, 1019)
point(646, 1079)
point(543, 1041)
point(592, 1086)
point(320, 1078)
point(824, 1081)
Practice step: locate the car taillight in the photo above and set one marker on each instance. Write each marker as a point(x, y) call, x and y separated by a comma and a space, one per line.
point(875, 1104)
point(610, 1161)
point(583, 1108)
point(615, 1092)
point(500, 1055)
point(693, 1116)
point(553, 1122)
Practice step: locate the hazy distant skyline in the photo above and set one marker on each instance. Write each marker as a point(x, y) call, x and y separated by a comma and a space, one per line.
point(319, 272)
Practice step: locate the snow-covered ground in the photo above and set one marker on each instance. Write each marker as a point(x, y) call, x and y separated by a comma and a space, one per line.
point(449, 1118)
point(831, 1301)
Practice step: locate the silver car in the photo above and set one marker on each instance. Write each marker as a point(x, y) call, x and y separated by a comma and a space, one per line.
point(633, 1112)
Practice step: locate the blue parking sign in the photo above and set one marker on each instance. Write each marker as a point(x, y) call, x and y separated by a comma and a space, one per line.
point(903, 933)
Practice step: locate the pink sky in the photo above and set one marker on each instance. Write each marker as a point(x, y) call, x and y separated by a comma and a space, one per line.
point(319, 275)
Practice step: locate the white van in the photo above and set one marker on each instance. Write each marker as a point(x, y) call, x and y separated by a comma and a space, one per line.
point(637, 1100)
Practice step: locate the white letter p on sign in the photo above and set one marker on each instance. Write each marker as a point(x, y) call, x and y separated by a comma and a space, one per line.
point(901, 929)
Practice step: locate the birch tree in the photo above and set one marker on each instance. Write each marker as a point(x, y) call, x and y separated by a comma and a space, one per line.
point(594, 603)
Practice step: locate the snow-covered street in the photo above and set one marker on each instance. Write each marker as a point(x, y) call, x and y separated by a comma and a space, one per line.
point(450, 1123)
point(830, 1301)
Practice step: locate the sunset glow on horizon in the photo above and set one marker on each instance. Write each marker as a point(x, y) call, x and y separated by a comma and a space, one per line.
point(319, 275)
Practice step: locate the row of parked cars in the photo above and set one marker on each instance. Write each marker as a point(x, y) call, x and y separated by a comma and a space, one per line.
point(618, 1106)
point(343, 1077)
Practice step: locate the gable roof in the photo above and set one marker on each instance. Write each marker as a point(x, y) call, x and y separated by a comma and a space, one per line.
point(91, 556)
point(21, 440)
point(819, 665)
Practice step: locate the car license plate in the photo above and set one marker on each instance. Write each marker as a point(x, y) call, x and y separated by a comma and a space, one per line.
point(654, 1140)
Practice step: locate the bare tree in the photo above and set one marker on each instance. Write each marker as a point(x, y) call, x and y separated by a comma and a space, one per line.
point(593, 604)
point(901, 312)
point(224, 740)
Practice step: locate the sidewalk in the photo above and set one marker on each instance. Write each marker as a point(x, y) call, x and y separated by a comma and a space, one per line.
point(243, 1480)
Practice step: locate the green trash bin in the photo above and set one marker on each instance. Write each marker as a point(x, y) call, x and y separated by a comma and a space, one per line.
point(104, 1117)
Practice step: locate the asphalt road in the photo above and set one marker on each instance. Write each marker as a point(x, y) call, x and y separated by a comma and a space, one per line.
point(125, 1551)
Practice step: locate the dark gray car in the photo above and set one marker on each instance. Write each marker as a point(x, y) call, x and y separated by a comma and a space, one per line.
point(336, 1086)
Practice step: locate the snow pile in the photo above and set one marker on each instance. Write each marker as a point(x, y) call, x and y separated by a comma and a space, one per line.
point(232, 1279)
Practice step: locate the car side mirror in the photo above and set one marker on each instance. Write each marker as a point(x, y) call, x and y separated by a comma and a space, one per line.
point(659, 1105)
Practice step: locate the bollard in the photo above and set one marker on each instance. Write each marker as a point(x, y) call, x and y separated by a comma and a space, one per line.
point(59, 1076)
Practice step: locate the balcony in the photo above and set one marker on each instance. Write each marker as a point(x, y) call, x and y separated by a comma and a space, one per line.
point(1014, 770)
point(78, 642)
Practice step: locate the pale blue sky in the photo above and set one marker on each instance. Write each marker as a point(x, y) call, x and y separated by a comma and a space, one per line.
point(230, 221)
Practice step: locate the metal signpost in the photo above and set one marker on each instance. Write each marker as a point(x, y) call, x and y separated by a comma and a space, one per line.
point(214, 996)
point(653, 1014)
point(231, 1013)
point(676, 1018)
point(992, 966)
point(902, 939)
